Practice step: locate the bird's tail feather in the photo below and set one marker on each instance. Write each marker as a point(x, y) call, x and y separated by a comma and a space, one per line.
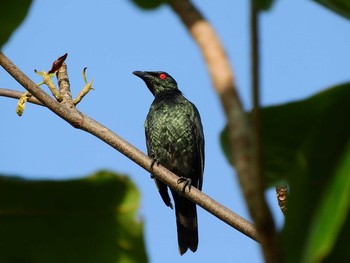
point(186, 221)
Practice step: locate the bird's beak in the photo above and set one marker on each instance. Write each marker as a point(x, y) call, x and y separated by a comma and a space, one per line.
point(147, 78)
point(141, 74)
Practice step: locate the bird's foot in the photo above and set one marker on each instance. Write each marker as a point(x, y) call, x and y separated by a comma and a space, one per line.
point(188, 182)
point(154, 161)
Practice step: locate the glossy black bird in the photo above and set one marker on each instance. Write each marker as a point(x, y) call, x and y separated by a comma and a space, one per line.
point(174, 137)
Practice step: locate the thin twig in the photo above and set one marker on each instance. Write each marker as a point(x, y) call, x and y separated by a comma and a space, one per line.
point(255, 79)
point(17, 95)
point(83, 122)
point(263, 217)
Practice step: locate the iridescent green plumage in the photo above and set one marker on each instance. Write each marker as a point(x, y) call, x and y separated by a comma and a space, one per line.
point(174, 137)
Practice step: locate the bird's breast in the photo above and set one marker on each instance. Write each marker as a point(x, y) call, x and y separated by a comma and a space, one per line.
point(171, 137)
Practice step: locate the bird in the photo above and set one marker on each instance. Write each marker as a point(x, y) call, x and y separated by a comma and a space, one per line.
point(175, 139)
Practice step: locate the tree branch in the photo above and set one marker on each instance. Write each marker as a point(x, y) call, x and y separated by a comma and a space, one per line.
point(81, 121)
point(17, 94)
point(240, 134)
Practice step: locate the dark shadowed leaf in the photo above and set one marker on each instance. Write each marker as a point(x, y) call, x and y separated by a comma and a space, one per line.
point(341, 7)
point(149, 4)
point(342, 243)
point(289, 128)
point(330, 216)
point(263, 5)
point(93, 219)
point(306, 144)
point(12, 13)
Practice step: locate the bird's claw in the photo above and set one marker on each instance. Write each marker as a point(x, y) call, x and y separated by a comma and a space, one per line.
point(187, 181)
point(154, 161)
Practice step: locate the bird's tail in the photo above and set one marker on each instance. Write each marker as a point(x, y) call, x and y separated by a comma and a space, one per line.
point(186, 221)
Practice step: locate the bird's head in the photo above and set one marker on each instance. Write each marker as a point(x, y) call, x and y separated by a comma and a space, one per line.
point(158, 82)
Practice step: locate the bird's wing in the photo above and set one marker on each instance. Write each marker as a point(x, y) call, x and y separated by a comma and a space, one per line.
point(162, 188)
point(198, 131)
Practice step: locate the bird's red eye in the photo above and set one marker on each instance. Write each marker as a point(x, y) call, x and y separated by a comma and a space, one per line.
point(162, 76)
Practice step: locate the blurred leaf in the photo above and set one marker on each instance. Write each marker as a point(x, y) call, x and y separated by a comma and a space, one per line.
point(342, 244)
point(326, 226)
point(289, 127)
point(225, 145)
point(12, 13)
point(314, 180)
point(305, 143)
point(341, 7)
point(263, 5)
point(87, 220)
point(149, 4)
point(310, 137)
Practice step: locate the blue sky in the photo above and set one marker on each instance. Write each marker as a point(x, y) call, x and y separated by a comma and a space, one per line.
point(305, 48)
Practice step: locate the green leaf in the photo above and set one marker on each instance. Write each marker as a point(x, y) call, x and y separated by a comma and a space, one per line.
point(87, 220)
point(149, 4)
point(342, 244)
point(306, 144)
point(331, 215)
point(289, 128)
point(309, 138)
point(341, 7)
point(12, 13)
point(263, 5)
